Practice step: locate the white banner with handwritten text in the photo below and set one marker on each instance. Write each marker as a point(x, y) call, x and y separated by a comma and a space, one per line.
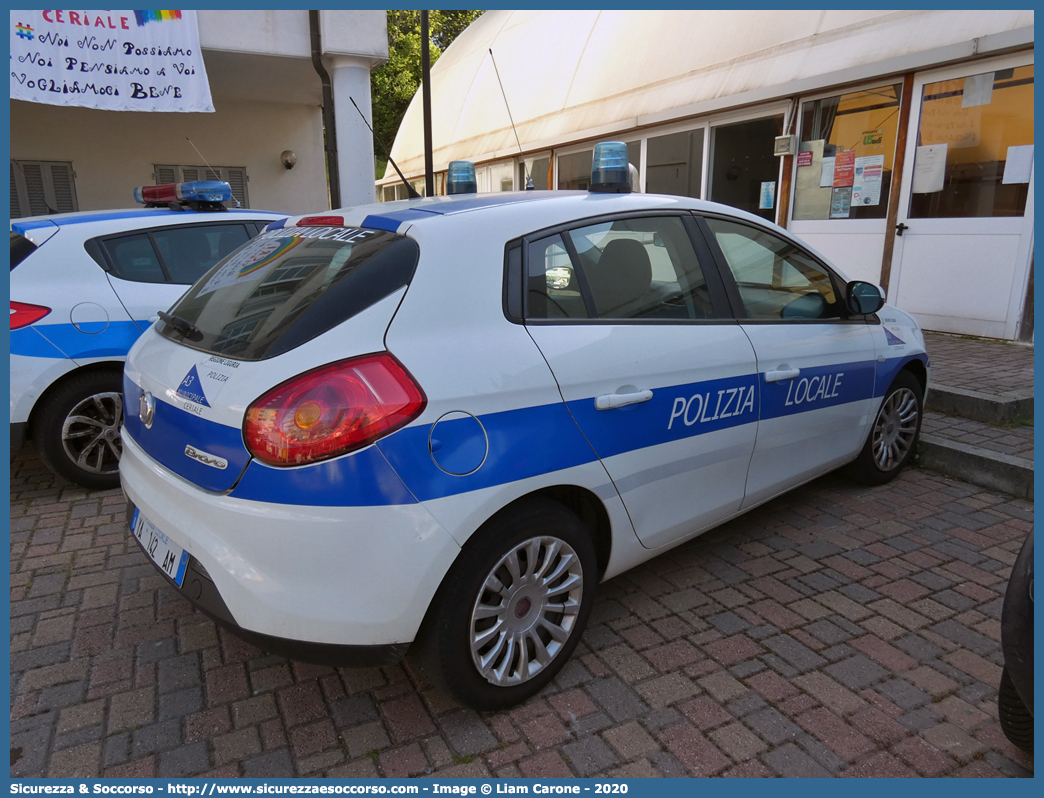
point(112, 60)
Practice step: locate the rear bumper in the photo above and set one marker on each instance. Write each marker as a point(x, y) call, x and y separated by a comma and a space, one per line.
point(199, 589)
point(326, 582)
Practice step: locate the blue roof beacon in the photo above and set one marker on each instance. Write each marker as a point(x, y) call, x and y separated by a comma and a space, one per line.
point(461, 178)
point(610, 173)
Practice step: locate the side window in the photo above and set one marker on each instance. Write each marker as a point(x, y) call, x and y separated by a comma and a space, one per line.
point(179, 255)
point(187, 251)
point(133, 258)
point(643, 268)
point(776, 280)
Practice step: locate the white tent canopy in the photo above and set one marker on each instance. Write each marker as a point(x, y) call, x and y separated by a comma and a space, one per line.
point(576, 75)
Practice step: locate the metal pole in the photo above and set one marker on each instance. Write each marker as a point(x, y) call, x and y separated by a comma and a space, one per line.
point(429, 161)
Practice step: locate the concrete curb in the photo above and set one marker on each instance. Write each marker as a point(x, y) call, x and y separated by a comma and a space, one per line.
point(979, 466)
point(988, 408)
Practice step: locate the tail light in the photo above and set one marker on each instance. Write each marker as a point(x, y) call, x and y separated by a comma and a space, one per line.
point(22, 315)
point(332, 410)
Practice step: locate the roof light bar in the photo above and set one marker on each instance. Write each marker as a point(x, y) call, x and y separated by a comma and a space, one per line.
point(460, 179)
point(195, 191)
point(609, 168)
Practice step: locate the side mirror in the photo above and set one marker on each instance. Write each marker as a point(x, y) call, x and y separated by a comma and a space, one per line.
point(863, 298)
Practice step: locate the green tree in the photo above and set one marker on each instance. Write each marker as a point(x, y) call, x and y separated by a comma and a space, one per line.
point(393, 84)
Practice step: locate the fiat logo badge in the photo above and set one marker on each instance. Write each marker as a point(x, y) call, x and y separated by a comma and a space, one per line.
point(147, 409)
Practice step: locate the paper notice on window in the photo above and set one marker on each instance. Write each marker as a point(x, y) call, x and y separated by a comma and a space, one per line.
point(767, 199)
point(826, 176)
point(840, 202)
point(1018, 164)
point(866, 183)
point(844, 168)
point(978, 90)
point(929, 169)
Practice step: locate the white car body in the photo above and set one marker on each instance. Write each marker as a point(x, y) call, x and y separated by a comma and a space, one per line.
point(350, 551)
point(95, 315)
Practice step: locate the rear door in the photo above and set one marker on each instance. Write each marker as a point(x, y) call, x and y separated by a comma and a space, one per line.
point(815, 363)
point(632, 318)
point(150, 269)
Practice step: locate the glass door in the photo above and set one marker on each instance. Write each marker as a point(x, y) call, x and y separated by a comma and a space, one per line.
point(965, 222)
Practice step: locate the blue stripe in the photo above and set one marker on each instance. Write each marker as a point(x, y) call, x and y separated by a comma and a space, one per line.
point(29, 343)
point(675, 412)
point(887, 371)
point(22, 225)
point(45, 340)
point(362, 479)
point(173, 428)
point(392, 221)
point(816, 388)
point(522, 444)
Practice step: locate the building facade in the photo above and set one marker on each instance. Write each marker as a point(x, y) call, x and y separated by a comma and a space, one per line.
point(267, 96)
point(897, 143)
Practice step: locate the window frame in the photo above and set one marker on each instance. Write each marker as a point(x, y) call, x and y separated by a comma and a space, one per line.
point(732, 289)
point(516, 269)
point(97, 247)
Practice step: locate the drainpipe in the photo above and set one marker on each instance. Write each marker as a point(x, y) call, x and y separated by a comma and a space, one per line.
point(330, 129)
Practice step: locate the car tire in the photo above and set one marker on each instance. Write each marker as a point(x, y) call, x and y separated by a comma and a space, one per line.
point(1015, 718)
point(77, 431)
point(543, 560)
point(893, 435)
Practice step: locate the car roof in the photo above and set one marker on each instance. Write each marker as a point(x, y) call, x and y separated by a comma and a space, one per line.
point(131, 214)
point(400, 215)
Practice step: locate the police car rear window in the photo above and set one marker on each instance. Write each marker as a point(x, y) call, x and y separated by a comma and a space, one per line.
point(21, 248)
point(288, 286)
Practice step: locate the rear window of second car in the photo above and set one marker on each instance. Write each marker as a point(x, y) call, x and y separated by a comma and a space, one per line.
point(288, 286)
point(21, 248)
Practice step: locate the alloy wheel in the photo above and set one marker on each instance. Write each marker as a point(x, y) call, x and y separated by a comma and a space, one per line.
point(526, 610)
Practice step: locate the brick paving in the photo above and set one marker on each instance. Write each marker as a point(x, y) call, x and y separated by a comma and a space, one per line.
point(838, 631)
point(979, 364)
point(1016, 441)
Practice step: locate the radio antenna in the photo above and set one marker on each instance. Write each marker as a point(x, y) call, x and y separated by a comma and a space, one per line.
point(211, 168)
point(522, 155)
point(412, 191)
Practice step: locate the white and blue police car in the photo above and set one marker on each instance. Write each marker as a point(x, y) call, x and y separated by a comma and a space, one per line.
point(442, 422)
point(83, 287)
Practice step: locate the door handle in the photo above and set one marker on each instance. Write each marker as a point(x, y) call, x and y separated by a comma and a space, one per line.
point(781, 374)
point(611, 400)
point(899, 229)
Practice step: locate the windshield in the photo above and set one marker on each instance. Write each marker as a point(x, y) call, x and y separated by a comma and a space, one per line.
point(287, 286)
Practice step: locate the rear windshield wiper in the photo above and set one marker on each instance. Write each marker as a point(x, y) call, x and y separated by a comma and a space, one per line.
point(183, 326)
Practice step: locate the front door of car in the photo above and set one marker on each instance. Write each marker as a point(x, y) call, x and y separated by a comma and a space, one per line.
point(658, 376)
point(816, 363)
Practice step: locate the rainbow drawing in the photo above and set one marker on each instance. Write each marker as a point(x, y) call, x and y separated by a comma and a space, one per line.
point(24, 31)
point(145, 17)
point(288, 244)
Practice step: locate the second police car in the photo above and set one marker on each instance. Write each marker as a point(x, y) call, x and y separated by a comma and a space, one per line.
point(442, 422)
point(83, 287)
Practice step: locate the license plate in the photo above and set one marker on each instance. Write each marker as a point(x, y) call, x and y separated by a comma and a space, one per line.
point(170, 557)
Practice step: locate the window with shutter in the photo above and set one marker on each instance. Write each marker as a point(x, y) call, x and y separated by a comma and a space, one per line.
point(42, 187)
point(235, 176)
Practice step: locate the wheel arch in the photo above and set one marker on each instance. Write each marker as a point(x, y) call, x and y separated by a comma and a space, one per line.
point(115, 366)
point(581, 501)
point(920, 372)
